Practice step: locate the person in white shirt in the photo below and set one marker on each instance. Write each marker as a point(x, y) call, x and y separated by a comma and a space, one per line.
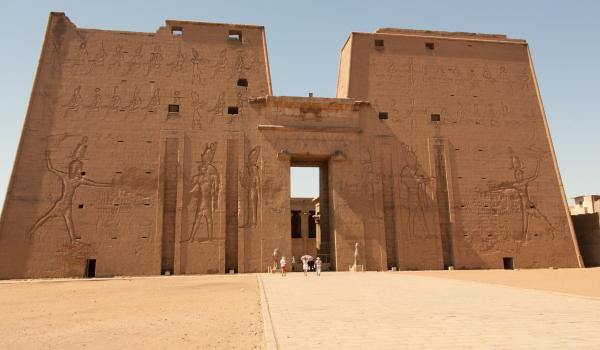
point(283, 263)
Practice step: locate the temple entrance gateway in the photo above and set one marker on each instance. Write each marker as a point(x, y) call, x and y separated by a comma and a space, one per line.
point(189, 170)
point(309, 210)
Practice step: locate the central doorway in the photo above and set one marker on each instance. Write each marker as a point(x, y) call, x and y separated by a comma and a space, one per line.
point(309, 211)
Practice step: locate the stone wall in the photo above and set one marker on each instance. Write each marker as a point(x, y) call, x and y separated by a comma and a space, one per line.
point(166, 152)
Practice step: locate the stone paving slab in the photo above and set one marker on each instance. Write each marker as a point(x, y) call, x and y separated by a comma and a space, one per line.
point(375, 310)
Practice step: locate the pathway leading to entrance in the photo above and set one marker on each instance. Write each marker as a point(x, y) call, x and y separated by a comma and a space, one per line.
point(375, 310)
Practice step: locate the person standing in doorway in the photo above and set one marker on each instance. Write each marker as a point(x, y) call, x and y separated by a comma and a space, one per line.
point(283, 263)
point(318, 266)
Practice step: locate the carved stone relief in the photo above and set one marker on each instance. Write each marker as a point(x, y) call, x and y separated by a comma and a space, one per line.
point(205, 190)
point(177, 65)
point(155, 60)
point(250, 181)
point(197, 107)
point(154, 102)
point(135, 101)
point(415, 201)
point(74, 102)
point(135, 62)
point(515, 194)
point(71, 178)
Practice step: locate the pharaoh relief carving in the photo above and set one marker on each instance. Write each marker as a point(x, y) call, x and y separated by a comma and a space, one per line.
point(250, 181)
point(205, 191)
point(415, 202)
point(518, 189)
point(71, 178)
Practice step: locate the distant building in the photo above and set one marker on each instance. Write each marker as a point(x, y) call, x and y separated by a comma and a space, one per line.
point(586, 221)
point(586, 204)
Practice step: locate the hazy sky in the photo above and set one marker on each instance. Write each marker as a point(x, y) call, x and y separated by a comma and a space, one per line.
point(304, 39)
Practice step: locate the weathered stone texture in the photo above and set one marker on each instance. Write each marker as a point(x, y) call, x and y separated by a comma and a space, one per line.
point(155, 152)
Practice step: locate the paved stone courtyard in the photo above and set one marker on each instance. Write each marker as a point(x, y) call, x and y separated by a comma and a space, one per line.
point(402, 311)
point(371, 310)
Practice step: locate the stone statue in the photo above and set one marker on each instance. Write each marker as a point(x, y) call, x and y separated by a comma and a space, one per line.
point(274, 266)
point(354, 267)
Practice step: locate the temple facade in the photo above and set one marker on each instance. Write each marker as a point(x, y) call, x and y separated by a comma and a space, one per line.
point(166, 152)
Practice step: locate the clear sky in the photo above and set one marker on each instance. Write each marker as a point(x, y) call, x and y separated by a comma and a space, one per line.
point(304, 39)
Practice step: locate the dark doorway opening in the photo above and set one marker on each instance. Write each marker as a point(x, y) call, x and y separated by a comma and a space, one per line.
point(508, 263)
point(309, 178)
point(90, 268)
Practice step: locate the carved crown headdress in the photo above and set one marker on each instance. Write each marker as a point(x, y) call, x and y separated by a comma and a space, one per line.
point(209, 152)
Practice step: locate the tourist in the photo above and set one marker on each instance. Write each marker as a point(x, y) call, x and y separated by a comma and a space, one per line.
point(282, 263)
point(293, 262)
point(318, 265)
point(305, 265)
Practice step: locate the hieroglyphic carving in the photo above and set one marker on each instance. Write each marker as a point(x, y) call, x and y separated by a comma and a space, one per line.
point(117, 58)
point(177, 65)
point(154, 102)
point(136, 60)
point(115, 100)
point(197, 105)
point(98, 59)
point(242, 99)
point(502, 74)
point(205, 188)
point(155, 60)
point(176, 97)
point(250, 181)
point(196, 72)
point(96, 102)
point(487, 76)
point(74, 101)
point(135, 101)
point(241, 64)
point(71, 180)
point(82, 53)
point(220, 66)
point(219, 107)
point(473, 79)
